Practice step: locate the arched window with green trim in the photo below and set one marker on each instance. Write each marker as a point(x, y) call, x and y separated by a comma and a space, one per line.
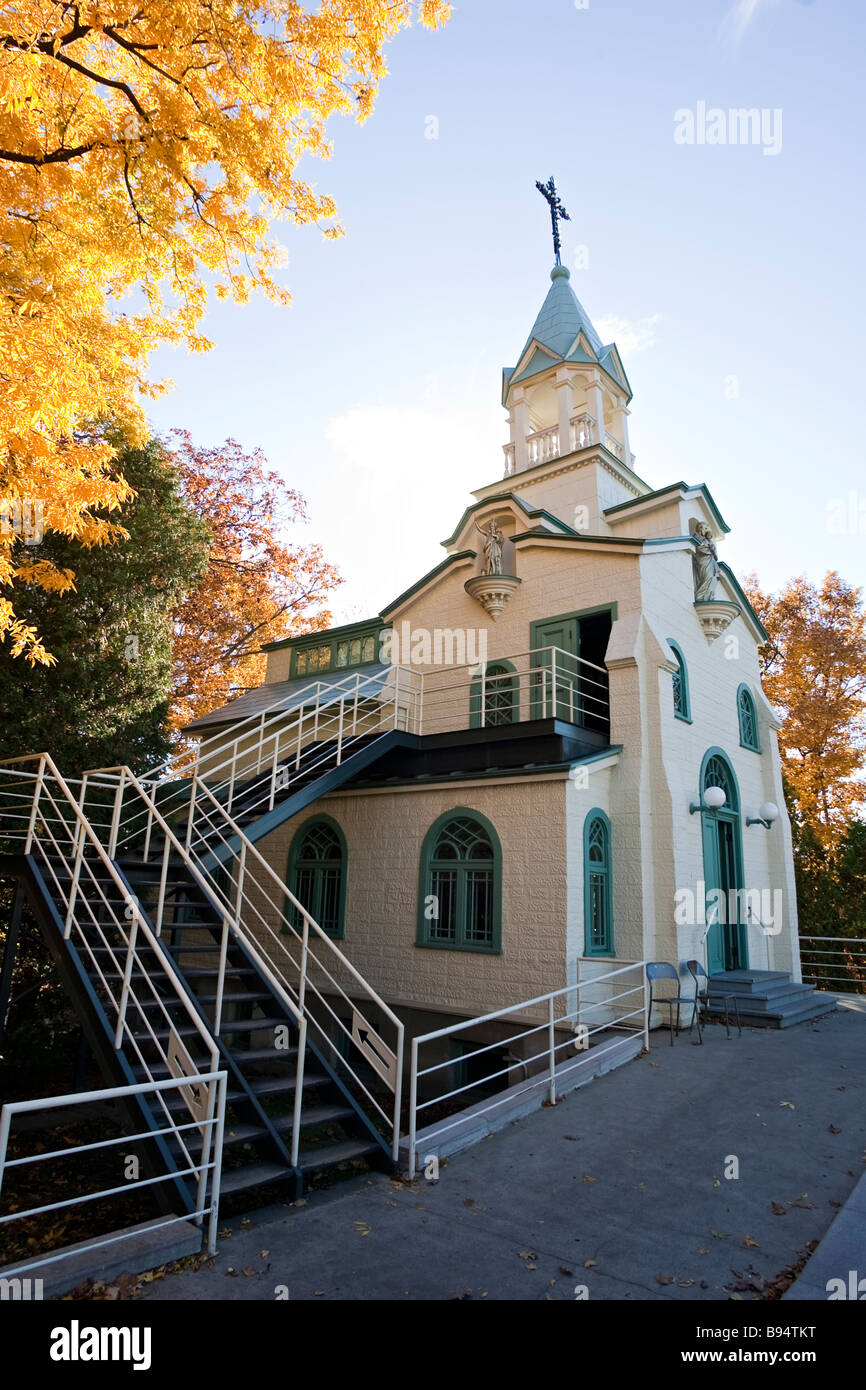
point(680, 681)
point(494, 697)
point(747, 714)
point(317, 874)
point(717, 772)
point(598, 885)
point(460, 889)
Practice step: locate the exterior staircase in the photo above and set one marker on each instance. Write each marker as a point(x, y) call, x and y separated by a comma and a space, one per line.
point(766, 998)
point(257, 1037)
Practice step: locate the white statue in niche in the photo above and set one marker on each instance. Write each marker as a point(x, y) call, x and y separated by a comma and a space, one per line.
point(494, 540)
point(706, 564)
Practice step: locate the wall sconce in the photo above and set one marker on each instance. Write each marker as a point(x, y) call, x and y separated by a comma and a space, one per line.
point(767, 813)
point(714, 800)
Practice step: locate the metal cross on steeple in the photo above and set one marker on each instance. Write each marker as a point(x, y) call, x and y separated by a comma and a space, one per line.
point(548, 191)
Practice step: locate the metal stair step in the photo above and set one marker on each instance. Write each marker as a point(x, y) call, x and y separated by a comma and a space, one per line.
point(253, 1025)
point(236, 1180)
point(246, 996)
point(314, 1115)
point(264, 1054)
point(279, 1085)
point(329, 1155)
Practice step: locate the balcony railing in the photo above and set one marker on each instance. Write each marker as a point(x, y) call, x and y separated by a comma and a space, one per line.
point(544, 445)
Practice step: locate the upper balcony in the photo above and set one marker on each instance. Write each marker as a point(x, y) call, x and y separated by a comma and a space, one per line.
point(544, 445)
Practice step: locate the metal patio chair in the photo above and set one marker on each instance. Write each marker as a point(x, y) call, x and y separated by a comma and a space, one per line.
point(702, 999)
point(663, 970)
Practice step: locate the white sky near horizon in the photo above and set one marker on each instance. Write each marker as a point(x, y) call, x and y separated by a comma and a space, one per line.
point(377, 392)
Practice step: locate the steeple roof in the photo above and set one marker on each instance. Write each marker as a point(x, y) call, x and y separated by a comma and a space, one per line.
point(562, 317)
point(561, 322)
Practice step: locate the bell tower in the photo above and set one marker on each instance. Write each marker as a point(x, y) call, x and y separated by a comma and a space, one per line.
point(567, 400)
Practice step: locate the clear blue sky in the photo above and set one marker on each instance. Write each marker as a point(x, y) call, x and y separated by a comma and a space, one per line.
point(376, 393)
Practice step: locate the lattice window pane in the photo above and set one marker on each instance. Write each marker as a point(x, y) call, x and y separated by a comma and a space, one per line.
point(321, 842)
point(479, 907)
point(444, 889)
point(329, 899)
point(464, 839)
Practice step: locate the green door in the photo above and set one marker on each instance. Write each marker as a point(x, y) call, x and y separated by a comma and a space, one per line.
point(727, 937)
point(555, 693)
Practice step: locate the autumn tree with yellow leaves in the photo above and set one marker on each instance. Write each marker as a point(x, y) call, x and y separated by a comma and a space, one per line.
point(146, 151)
point(814, 672)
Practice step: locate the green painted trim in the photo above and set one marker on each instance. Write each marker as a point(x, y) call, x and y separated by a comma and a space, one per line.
point(581, 538)
point(426, 579)
point(511, 376)
point(333, 641)
point(743, 689)
point(716, 752)
point(686, 715)
point(509, 496)
point(674, 487)
point(475, 692)
point(735, 817)
point(294, 852)
point(612, 608)
point(729, 573)
point(347, 630)
point(608, 948)
point(424, 885)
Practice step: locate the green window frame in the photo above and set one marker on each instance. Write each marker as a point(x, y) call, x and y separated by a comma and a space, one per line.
point(680, 682)
point(317, 870)
point(460, 885)
point(322, 652)
point(598, 937)
point(501, 691)
point(747, 716)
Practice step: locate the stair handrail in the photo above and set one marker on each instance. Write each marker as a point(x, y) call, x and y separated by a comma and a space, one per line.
point(232, 913)
point(247, 850)
point(82, 836)
point(277, 731)
point(308, 696)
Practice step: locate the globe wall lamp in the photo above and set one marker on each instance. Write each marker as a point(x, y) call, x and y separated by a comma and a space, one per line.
point(714, 800)
point(767, 813)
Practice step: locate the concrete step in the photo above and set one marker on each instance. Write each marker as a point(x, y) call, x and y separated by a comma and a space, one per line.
point(760, 1003)
point(744, 982)
point(812, 1005)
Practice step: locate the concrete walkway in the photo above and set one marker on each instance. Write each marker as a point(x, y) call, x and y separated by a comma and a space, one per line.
point(621, 1188)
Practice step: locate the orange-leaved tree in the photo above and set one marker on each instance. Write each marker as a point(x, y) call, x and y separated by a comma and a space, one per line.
point(814, 672)
point(146, 149)
point(258, 586)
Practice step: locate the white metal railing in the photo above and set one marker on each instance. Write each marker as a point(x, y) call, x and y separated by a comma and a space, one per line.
point(103, 921)
point(544, 683)
point(204, 1130)
point(835, 963)
point(314, 980)
point(561, 1010)
point(281, 747)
